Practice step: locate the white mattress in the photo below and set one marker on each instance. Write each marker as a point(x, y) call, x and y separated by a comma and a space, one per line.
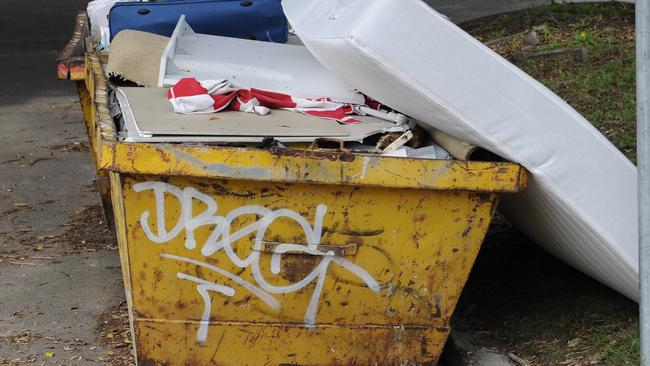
point(581, 202)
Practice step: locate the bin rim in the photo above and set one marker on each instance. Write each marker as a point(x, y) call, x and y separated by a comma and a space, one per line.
point(70, 62)
point(288, 165)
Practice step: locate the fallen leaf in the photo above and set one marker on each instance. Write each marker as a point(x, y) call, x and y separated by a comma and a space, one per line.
point(127, 340)
point(573, 342)
point(39, 248)
point(49, 354)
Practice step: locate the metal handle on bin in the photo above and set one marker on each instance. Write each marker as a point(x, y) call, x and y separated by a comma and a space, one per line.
point(314, 153)
point(340, 250)
point(314, 145)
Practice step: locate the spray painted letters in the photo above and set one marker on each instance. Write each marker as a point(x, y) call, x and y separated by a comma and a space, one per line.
point(222, 239)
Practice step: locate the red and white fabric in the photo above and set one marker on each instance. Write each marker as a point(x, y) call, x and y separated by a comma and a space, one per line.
point(190, 96)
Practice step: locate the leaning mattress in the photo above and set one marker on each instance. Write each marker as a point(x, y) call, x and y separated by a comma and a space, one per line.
point(581, 202)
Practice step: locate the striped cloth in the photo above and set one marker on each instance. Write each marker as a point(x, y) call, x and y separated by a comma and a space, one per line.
point(190, 96)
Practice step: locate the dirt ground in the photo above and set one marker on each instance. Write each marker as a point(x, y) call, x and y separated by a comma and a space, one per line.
point(519, 299)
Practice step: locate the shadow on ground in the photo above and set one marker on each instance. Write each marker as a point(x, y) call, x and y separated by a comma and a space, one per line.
point(520, 299)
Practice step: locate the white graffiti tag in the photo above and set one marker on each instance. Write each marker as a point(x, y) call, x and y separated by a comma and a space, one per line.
point(221, 239)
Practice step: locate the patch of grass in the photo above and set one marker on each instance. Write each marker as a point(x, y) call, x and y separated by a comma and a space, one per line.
point(603, 89)
point(519, 298)
point(558, 15)
point(624, 351)
point(498, 33)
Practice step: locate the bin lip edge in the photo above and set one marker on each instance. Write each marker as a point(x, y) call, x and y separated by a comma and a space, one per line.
point(196, 161)
point(288, 165)
point(67, 60)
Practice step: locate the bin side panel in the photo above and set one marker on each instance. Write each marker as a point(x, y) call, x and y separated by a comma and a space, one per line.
point(70, 63)
point(86, 102)
point(115, 181)
point(207, 255)
point(255, 344)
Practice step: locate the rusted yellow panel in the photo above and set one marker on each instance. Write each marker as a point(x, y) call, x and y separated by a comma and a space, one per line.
point(242, 256)
point(86, 102)
point(297, 165)
point(70, 63)
point(87, 97)
point(89, 79)
point(196, 253)
point(273, 344)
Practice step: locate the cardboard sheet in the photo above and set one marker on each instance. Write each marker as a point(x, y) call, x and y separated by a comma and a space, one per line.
point(135, 56)
point(149, 118)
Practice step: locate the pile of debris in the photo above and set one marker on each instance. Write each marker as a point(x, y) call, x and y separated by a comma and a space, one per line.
point(220, 90)
point(385, 81)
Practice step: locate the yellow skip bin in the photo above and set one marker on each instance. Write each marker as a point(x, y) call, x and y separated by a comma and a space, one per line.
point(243, 256)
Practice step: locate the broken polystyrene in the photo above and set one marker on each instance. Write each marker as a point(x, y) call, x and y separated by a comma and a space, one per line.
point(282, 68)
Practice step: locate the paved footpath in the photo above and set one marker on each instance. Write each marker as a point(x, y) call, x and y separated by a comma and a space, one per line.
point(52, 294)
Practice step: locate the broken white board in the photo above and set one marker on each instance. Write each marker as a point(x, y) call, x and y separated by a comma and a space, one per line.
point(581, 202)
point(283, 68)
point(149, 117)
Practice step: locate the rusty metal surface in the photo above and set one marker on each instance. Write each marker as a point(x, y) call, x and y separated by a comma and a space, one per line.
point(86, 102)
point(340, 250)
point(70, 62)
point(302, 166)
point(328, 154)
point(283, 345)
point(203, 293)
point(104, 187)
